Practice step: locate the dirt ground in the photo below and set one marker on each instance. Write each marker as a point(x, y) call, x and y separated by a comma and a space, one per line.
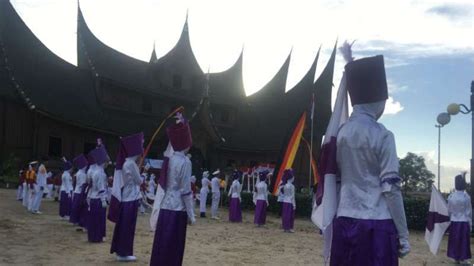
point(27, 239)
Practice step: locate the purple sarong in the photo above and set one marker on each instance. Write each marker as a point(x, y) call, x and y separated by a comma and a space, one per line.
point(96, 221)
point(459, 241)
point(358, 242)
point(83, 207)
point(287, 216)
point(235, 212)
point(124, 231)
point(65, 204)
point(75, 211)
point(260, 212)
point(170, 238)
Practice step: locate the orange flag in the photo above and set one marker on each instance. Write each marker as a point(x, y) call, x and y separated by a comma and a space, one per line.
point(291, 150)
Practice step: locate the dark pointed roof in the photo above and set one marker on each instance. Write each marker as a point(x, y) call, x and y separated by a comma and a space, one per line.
point(181, 58)
point(52, 85)
point(263, 125)
point(228, 84)
point(105, 61)
point(256, 123)
point(275, 88)
point(323, 91)
point(153, 58)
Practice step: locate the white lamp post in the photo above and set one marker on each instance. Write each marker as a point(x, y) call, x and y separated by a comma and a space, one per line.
point(442, 120)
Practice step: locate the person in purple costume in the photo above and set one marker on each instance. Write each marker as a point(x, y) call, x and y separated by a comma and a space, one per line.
point(176, 205)
point(460, 214)
point(370, 228)
point(131, 148)
point(261, 200)
point(80, 162)
point(97, 196)
point(235, 211)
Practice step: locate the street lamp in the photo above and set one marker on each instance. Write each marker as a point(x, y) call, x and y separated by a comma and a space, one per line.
point(454, 109)
point(442, 120)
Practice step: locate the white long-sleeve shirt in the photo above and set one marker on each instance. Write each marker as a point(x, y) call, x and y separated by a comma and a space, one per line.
point(66, 182)
point(262, 191)
point(215, 185)
point(80, 180)
point(234, 190)
point(41, 181)
point(459, 207)
point(289, 194)
point(131, 181)
point(178, 184)
point(98, 184)
point(366, 157)
point(205, 182)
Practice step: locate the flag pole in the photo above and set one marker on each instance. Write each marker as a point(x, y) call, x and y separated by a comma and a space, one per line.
point(311, 141)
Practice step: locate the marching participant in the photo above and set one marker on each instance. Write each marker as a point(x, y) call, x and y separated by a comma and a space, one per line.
point(21, 180)
point(175, 208)
point(370, 228)
point(205, 182)
point(39, 188)
point(131, 148)
point(50, 185)
point(29, 185)
point(97, 196)
point(460, 215)
point(66, 191)
point(235, 211)
point(261, 200)
point(289, 203)
point(216, 194)
point(80, 162)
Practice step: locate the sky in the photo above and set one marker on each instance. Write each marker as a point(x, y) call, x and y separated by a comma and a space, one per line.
point(428, 47)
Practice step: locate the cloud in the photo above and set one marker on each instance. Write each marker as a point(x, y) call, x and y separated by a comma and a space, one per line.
point(447, 172)
point(392, 107)
point(394, 87)
point(455, 12)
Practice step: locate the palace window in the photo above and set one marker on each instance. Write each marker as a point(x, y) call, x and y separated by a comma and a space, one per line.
point(55, 148)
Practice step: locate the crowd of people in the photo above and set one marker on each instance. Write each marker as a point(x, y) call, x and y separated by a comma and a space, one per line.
point(369, 226)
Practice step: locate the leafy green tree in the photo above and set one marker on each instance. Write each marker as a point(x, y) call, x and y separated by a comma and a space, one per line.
point(415, 176)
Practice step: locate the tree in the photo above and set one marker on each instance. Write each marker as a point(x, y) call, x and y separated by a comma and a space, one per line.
point(415, 176)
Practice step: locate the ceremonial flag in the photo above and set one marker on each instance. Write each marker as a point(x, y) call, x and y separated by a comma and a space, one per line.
point(438, 220)
point(326, 196)
point(291, 150)
point(325, 205)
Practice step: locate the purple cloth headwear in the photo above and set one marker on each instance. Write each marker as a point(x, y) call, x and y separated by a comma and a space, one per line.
point(262, 176)
point(366, 80)
point(67, 166)
point(459, 183)
point(129, 146)
point(287, 175)
point(99, 155)
point(236, 174)
point(179, 135)
point(90, 159)
point(133, 145)
point(80, 161)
